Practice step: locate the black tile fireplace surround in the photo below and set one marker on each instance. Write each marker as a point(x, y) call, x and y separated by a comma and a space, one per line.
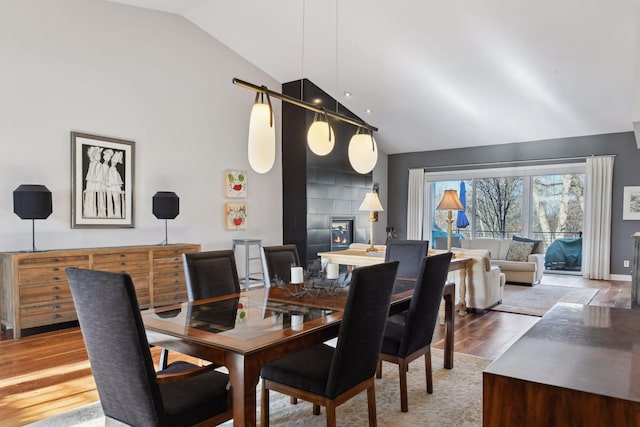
point(318, 188)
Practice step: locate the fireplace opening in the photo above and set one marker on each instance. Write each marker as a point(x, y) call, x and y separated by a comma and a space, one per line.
point(341, 233)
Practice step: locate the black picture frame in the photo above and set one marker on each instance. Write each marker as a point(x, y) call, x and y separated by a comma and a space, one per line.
point(102, 181)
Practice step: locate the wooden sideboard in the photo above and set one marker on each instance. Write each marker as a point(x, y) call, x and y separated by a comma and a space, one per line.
point(35, 292)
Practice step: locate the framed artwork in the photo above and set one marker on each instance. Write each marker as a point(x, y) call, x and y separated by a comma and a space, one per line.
point(101, 181)
point(235, 215)
point(235, 183)
point(631, 203)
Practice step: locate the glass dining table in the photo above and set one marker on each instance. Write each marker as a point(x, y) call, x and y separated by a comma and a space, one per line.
point(244, 331)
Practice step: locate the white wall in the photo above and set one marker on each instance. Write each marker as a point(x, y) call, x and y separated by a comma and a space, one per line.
point(129, 73)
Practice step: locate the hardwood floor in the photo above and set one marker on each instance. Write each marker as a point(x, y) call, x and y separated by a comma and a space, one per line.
point(46, 373)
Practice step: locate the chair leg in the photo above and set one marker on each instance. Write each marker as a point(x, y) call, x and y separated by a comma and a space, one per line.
point(316, 409)
point(379, 369)
point(164, 359)
point(404, 400)
point(371, 400)
point(428, 372)
point(264, 407)
point(331, 415)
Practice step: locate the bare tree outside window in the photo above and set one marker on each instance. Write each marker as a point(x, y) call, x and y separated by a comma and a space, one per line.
point(498, 206)
point(558, 206)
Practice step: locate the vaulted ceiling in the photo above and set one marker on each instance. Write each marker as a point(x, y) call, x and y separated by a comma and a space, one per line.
point(443, 74)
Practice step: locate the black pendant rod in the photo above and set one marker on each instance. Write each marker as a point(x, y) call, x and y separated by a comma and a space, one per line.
point(303, 104)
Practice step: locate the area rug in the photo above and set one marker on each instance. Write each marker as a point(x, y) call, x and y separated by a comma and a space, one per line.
point(456, 400)
point(538, 299)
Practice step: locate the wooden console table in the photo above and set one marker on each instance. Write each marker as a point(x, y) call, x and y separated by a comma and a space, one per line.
point(578, 366)
point(35, 292)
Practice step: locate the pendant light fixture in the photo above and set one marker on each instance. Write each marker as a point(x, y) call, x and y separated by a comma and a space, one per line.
point(262, 134)
point(320, 136)
point(363, 152)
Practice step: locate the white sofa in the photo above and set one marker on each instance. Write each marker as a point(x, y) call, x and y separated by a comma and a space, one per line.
point(485, 282)
point(528, 272)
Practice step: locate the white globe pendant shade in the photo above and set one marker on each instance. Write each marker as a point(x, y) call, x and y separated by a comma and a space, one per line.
point(363, 153)
point(320, 138)
point(262, 138)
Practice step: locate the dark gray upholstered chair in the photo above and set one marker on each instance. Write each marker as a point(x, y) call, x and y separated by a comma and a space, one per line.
point(409, 253)
point(208, 274)
point(410, 338)
point(130, 390)
point(277, 261)
point(327, 376)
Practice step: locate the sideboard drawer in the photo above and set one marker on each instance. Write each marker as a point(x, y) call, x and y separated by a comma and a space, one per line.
point(61, 261)
point(122, 262)
point(30, 295)
point(41, 315)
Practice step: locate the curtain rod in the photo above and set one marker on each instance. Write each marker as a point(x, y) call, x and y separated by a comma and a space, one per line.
point(303, 104)
point(511, 162)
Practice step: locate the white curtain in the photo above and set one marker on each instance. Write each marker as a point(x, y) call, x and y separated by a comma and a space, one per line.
point(596, 251)
point(415, 203)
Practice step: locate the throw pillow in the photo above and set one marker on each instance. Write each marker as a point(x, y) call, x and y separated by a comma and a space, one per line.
point(519, 251)
point(536, 243)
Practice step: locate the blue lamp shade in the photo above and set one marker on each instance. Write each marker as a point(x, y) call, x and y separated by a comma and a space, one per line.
point(32, 202)
point(166, 205)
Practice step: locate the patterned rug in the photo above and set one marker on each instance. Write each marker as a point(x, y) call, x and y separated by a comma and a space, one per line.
point(538, 299)
point(456, 400)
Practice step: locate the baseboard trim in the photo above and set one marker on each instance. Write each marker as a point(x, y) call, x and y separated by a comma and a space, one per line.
point(622, 277)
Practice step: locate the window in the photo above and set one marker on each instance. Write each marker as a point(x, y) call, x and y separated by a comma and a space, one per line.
point(557, 208)
point(541, 202)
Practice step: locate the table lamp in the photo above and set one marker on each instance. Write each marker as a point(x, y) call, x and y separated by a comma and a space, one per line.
point(32, 202)
point(450, 202)
point(166, 205)
point(372, 204)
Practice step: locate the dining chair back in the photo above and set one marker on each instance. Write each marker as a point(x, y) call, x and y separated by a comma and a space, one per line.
point(277, 261)
point(408, 337)
point(210, 274)
point(409, 253)
point(327, 376)
point(130, 390)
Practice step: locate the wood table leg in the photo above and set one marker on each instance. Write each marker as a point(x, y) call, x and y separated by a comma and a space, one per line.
point(449, 302)
point(462, 308)
point(244, 376)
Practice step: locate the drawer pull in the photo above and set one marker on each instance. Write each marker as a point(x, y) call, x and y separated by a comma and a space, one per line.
point(56, 306)
point(55, 297)
point(57, 316)
point(56, 288)
point(55, 260)
point(122, 264)
point(122, 255)
point(55, 269)
point(56, 278)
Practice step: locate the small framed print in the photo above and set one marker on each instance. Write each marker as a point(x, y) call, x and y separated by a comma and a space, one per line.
point(235, 216)
point(631, 203)
point(101, 181)
point(235, 183)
